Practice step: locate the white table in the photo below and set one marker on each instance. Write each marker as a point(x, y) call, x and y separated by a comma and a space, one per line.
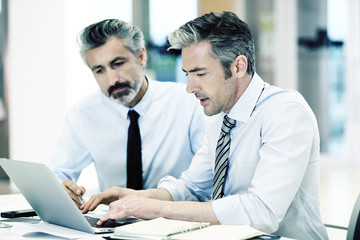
point(11, 202)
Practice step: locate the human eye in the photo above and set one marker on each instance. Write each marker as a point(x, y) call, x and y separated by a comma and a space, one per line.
point(200, 74)
point(99, 70)
point(118, 64)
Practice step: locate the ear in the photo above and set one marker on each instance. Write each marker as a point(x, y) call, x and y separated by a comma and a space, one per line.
point(142, 57)
point(240, 66)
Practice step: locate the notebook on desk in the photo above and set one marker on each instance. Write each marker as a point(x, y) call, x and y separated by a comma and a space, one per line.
point(161, 228)
point(47, 197)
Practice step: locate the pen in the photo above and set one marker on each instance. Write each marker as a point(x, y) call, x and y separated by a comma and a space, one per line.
point(79, 196)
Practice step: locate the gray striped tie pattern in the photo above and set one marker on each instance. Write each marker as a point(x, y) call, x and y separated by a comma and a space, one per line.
point(222, 154)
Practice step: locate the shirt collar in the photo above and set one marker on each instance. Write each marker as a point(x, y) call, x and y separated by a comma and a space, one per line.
point(244, 107)
point(144, 104)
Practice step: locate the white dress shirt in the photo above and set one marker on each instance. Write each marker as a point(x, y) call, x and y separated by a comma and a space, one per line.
point(171, 126)
point(272, 182)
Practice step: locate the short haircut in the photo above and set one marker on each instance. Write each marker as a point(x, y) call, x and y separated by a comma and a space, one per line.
point(98, 34)
point(228, 36)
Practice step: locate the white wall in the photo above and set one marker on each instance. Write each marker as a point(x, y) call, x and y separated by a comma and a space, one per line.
point(45, 72)
point(36, 77)
point(286, 44)
point(352, 53)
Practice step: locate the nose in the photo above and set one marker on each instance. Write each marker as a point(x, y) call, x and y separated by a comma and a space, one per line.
point(192, 85)
point(112, 76)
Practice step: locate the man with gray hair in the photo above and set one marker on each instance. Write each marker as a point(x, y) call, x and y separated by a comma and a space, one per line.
point(135, 130)
point(259, 163)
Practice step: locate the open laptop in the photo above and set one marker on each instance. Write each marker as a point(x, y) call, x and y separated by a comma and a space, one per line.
point(47, 197)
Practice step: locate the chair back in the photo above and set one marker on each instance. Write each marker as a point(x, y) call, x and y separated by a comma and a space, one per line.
point(354, 224)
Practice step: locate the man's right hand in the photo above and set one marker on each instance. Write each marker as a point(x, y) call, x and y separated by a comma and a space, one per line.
point(75, 192)
point(106, 197)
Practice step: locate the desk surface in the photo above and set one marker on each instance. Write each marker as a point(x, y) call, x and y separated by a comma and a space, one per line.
point(15, 202)
point(10, 202)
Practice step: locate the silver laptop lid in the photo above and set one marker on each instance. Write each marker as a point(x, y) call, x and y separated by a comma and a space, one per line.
point(45, 194)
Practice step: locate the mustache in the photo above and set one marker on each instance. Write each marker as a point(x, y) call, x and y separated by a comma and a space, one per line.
point(116, 86)
point(200, 95)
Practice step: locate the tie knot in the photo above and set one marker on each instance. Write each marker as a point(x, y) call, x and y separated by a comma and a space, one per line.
point(228, 124)
point(133, 115)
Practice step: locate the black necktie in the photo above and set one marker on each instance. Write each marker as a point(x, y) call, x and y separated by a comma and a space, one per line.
point(134, 165)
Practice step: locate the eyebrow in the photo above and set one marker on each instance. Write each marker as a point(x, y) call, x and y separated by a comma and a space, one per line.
point(96, 67)
point(194, 70)
point(111, 62)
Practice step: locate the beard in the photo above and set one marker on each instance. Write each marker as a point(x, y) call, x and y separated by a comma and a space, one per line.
point(131, 89)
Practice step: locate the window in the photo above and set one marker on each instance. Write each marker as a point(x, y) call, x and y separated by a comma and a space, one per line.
point(167, 66)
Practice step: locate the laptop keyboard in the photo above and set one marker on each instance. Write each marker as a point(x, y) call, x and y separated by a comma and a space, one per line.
point(108, 224)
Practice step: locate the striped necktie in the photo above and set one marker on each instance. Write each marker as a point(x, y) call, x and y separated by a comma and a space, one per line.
point(222, 154)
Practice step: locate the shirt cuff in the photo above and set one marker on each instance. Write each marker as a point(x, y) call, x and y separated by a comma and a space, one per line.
point(174, 187)
point(228, 211)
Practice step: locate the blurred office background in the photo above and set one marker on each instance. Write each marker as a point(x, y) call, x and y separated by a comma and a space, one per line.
point(310, 46)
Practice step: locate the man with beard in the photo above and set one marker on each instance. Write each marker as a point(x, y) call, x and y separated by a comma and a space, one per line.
point(169, 123)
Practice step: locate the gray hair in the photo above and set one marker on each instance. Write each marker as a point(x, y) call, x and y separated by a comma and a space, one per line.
point(98, 34)
point(228, 36)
